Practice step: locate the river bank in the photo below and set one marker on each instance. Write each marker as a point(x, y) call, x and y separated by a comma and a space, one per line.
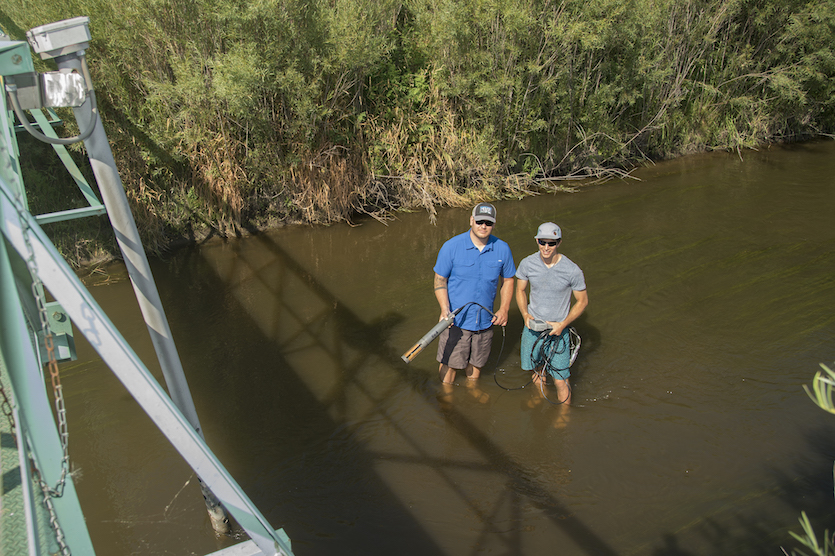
point(90, 254)
point(236, 117)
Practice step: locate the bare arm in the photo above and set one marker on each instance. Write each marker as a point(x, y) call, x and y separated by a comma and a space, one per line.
point(442, 295)
point(522, 299)
point(505, 295)
point(581, 301)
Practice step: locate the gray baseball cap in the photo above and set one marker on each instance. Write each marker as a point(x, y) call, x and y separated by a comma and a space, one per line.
point(549, 230)
point(484, 211)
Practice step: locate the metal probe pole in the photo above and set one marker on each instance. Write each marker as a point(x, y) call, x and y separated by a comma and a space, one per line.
point(427, 338)
point(127, 235)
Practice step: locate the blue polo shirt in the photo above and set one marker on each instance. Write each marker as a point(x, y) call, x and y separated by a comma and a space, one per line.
point(473, 275)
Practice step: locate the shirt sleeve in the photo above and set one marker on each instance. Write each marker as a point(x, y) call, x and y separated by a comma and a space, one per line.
point(578, 282)
point(508, 268)
point(522, 271)
point(443, 265)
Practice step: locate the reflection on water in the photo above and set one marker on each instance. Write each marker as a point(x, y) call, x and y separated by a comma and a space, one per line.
point(711, 294)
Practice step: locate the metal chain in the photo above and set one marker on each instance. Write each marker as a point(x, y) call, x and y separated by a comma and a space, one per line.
point(57, 389)
point(47, 501)
point(6, 405)
point(48, 495)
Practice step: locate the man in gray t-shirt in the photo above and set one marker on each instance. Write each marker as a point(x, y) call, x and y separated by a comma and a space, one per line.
point(553, 278)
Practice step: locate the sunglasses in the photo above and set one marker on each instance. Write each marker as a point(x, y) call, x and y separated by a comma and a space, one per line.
point(484, 223)
point(546, 242)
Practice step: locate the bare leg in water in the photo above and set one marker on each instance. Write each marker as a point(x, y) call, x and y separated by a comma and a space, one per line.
point(562, 401)
point(447, 376)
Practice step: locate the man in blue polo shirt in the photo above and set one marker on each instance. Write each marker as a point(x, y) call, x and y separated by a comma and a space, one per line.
point(470, 268)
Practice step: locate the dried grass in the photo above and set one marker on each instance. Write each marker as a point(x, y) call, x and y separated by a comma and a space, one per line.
point(218, 165)
point(325, 186)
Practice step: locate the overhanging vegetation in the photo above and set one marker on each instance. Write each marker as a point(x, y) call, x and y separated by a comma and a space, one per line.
point(229, 114)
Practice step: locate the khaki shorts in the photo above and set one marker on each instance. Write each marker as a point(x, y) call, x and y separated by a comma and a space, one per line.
point(458, 348)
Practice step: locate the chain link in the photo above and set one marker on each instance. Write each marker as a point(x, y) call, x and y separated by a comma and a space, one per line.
point(58, 393)
point(57, 388)
point(6, 406)
point(48, 495)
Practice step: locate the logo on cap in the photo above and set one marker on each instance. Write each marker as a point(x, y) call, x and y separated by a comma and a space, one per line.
point(485, 210)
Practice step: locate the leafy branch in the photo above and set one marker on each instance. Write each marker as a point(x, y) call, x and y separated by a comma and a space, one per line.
point(823, 389)
point(822, 393)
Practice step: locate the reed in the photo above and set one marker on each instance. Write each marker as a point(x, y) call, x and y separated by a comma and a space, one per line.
point(227, 116)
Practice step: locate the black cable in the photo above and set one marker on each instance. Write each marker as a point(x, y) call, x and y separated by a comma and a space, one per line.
point(501, 349)
point(551, 347)
point(496, 368)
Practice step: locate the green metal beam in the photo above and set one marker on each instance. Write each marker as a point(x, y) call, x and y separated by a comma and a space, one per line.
point(67, 289)
point(36, 420)
point(15, 58)
point(9, 163)
point(37, 431)
point(69, 163)
point(95, 207)
point(71, 214)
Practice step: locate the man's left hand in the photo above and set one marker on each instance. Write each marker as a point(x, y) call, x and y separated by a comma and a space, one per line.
point(556, 328)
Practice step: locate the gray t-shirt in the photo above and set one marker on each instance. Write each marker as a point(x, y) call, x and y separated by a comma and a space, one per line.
point(551, 288)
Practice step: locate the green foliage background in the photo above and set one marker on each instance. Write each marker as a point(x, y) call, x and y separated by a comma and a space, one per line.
point(235, 113)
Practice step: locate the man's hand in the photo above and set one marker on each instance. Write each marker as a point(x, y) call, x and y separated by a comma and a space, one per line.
point(505, 295)
point(556, 327)
point(500, 317)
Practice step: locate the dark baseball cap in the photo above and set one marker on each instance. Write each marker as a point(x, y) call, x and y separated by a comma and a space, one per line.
point(485, 211)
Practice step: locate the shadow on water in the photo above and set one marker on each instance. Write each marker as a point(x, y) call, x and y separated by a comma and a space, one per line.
point(689, 433)
point(353, 528)
point(278, 439)
point(310, 474)
point(808, 487)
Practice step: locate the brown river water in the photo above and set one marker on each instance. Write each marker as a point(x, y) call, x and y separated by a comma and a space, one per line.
point(711, 284)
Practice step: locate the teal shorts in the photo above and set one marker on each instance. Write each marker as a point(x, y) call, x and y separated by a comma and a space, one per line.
point(557, 349)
